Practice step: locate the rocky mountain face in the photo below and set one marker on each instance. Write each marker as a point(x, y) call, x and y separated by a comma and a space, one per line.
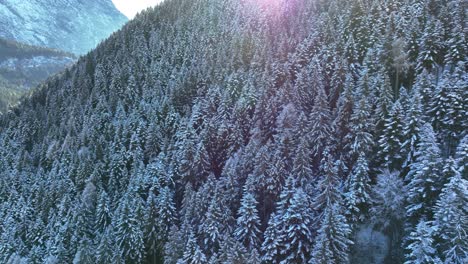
point(75, 26)
point(23, 67)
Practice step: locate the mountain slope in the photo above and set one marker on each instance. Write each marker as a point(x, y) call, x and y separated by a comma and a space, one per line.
point(279, 131)
point(23, 67)
point(75, 26)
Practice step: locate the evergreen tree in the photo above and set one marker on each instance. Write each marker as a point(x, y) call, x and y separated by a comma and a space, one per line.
point(451, 220)
point(461, 157)
point(360, 137)
point(424, 179)
point(332, 242)
point(193, 253)
point(248, 222)
point(431, 46)
point(358, 199)
point(103, 212)
point(421, 248)
point(328, 189)
point(166, 212)
point(391, 138)
point(302, 164)
point(320, 123)
point(271, 243)
point(128, 229)
point(389, 197)
point(106, 248)
point(411, 127)
point(297, 229)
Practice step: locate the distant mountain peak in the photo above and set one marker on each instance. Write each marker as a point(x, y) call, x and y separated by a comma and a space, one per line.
point(75, 26)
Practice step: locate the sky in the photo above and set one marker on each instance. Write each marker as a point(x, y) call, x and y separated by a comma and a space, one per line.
point(131, 7)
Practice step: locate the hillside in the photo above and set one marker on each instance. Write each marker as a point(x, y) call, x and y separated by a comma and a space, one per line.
point(76, 26)
point(226, 131)
point(23, 67)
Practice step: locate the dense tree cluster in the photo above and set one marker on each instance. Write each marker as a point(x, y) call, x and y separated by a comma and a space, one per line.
point(247, 131)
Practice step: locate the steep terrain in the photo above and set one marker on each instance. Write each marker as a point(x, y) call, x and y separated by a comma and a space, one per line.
point(254, 131)
point(75, 26)
point(23, 67)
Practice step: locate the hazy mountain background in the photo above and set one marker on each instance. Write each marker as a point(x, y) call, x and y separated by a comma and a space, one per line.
point(39, 38)
point(75, 26)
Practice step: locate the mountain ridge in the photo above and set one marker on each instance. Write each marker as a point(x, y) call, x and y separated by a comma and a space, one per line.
point(70, 25)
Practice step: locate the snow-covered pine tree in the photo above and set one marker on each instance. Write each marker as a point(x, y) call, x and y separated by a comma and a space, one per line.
point(166, 212)
point(360, 137)
point(151, 234)
point(320, 123)
point(461, 157)
point(424, 178)
point(451, 220)
point(271, 242)
point(328, 186)
point(431, 46)
point(358, 196)
point(332, 243)
point(106, 247)
point(103, 212)
point(388, 209)
point(193, 254)
point(128, 228)
point(421, 248)
point(297, 229)
point(248, 223)
point(411, 127)
point(391, 139)
point(274, 234)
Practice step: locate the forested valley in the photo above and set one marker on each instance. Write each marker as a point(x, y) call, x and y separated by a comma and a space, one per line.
point(248, 131)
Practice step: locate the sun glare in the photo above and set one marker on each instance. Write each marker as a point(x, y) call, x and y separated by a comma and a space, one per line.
point(272, 7)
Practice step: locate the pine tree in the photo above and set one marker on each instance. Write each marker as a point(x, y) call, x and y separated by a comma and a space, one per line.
point(302, 164)
point(103, 212)
point(360, 137)
point(320, 123)
point(151, 235)
point(214, 224)
point(296, 232)
point(166, 212)
point(248, 222)
point(461, 157)
point(391, 138)
point(448, 112)
point(332, 242)
point(456, 43)
point(272, 242)
point(174, 248)
point(358, 199)
point(193, 253)
point(424, 179)
point(451, 220)
point(431, 45)
point(411, 127)
point(128, 229)
point(421, 247)
point(84, 254)
point(328, 189)
point(274, 235)
point(106, 249)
